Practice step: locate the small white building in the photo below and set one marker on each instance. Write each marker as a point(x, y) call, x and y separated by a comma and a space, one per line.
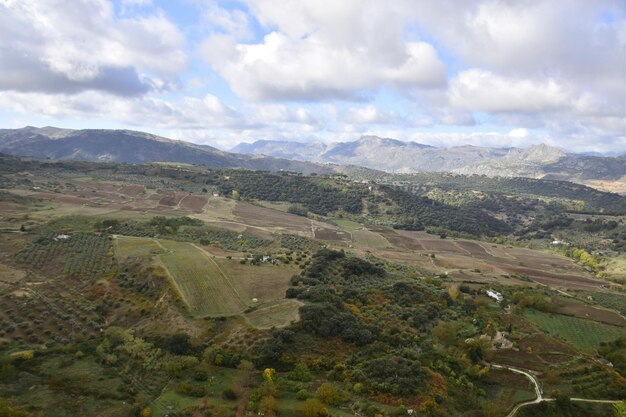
point(495, 295)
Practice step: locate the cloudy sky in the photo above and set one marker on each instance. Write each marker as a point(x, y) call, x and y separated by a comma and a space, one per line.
point(441, 72)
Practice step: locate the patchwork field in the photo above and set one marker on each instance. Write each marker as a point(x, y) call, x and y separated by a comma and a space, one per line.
point(584, 334)
point(460, 257)
point(264, 217)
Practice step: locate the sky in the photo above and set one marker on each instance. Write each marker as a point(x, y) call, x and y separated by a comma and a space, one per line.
point(441, 72)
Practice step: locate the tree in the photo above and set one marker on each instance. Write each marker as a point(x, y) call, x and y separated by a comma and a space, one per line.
point(298, 210)
point(247, 367)
point(327, 393)
point(178, 344)
point(6, 409)
point(268, 406)
point(301, 372)
point(269, 374)
point(314, 408)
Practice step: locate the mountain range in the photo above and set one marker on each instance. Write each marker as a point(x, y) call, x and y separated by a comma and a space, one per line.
point(394, 156)
point(105, 145)
point(370, 152)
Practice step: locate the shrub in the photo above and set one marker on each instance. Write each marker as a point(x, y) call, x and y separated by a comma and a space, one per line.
point(229, 394)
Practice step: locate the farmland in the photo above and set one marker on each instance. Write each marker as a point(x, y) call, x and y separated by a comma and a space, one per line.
point(210, 285)
point(584, 334)
point(143, 290)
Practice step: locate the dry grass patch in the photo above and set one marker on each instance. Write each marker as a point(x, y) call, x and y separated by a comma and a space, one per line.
point(279, 313)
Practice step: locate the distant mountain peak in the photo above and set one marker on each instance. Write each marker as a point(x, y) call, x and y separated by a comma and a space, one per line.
point(372, 140)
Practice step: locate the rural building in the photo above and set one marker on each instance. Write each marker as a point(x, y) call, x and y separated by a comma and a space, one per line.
point(495, 295)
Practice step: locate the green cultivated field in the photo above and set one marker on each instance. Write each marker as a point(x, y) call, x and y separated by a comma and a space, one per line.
point(130, 247)
point(370, 239)
point(347, 224)
point(582, 333)
point(202, 284)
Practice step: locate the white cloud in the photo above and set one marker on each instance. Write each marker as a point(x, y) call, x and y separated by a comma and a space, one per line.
point(233, 22)
point(519, 133)
point(370, 115)
point(535, 70)
point(185, 113)
point(51, 47)
point(482, 90)
point(319, 50)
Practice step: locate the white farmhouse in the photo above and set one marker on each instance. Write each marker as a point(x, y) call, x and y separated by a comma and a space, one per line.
point(495, 295)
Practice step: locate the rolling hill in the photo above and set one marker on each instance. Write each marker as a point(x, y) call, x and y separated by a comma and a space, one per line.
point(104, 145)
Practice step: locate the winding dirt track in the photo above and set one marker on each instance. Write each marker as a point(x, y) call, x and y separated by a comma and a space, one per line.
point(539, 394)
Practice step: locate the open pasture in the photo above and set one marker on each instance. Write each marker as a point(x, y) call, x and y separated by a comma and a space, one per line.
point(582, 333)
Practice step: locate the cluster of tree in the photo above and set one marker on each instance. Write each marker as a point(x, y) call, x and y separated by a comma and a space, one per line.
point(331, 320)
point(594, 200)
point(298, 210)
point(422, 211)
point(172, 224)
point(616, 353)
point(584, 258)
point(186, 229)
point(312, 193)
point(598, 225)
point(533, 299)
point(564, 407)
